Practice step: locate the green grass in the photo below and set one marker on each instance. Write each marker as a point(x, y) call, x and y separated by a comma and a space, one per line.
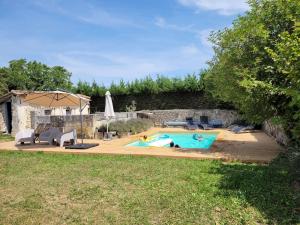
point(6, 137)
point(37, 188)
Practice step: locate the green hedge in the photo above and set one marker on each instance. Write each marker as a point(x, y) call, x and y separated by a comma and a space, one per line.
point(169, 100)
point(147, 85)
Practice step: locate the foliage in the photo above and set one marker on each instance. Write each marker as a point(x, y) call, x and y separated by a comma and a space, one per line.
point(33, 75)
point(131, 107)
point(132, 125)
point(147, 85)
point(102, 189)
point(256, 63)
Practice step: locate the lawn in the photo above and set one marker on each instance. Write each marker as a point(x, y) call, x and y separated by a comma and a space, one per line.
point(39, 188)
point(6, 137)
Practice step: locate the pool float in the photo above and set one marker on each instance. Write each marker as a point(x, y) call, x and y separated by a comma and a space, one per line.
point(161, 142)
point(197, 137)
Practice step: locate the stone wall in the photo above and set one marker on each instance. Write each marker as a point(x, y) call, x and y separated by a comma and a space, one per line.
point(93, 121)
point(159, 116)
point(275, 131)
point(90, 122)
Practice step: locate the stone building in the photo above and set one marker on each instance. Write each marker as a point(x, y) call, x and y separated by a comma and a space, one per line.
point(15, 114)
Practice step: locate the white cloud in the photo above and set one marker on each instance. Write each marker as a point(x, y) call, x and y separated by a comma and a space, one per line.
point(85, 12)
point(200, 34)
point(204, 35)
point(162, 23)
point(223, 7)
point(190, 50)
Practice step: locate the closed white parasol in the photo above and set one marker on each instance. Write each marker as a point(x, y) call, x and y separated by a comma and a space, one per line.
point(109, 108)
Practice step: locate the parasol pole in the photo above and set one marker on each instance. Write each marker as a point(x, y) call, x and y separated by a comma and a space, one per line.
point(81, 122)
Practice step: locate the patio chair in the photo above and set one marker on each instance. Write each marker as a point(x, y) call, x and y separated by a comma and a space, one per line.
point(204, 119)
point(26, 135)
point(48, 135)
point(204, 124)
point(70, 136)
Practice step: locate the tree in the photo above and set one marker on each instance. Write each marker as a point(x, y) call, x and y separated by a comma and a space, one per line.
point(256, 62)
point(34, 75)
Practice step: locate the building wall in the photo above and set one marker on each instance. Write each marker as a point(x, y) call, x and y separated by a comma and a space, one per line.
point(3, 118)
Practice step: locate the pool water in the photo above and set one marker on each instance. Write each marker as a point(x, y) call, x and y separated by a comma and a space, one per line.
point(184, 140)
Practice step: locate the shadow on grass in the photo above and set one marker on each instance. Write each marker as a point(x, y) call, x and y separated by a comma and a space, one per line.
point(267, 188)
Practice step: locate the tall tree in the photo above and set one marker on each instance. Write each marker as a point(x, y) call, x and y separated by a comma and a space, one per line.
point(256, 63)
point(34, 75)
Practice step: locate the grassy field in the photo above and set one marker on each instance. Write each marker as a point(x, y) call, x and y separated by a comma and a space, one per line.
point(38, 188)
point(5, 137)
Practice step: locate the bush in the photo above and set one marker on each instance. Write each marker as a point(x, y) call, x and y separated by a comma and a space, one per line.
point(133, 126)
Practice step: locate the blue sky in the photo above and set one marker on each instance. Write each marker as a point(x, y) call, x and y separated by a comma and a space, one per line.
point(111, 40)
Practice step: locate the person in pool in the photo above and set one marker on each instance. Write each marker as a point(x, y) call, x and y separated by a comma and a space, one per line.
point(171, 144)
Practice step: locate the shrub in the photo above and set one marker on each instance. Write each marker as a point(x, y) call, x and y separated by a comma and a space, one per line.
point(132, 125)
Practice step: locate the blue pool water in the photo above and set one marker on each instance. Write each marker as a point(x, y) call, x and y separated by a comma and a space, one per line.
point(184, 140)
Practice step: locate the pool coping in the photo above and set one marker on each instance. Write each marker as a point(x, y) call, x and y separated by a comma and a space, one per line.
point(181, 149)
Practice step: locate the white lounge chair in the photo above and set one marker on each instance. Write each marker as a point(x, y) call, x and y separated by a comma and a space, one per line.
point(49, 135)
point(26, 135)
point(71, 136)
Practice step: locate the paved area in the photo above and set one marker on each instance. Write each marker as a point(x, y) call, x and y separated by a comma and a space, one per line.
point(245, 147)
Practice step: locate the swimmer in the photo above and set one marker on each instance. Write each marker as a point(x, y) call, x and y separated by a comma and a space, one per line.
point(172, 144)
point(144, 138)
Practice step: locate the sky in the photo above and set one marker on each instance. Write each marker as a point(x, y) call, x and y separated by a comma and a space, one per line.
point(109, 40)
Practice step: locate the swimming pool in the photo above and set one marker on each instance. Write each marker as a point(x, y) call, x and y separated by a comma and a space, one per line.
point(184, 140)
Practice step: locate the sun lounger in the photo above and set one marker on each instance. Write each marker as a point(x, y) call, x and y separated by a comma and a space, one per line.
point(203, 123)
point(26, 135)
point(204, 126)
point(70, 136)
point(232, 126)
point(191, 124)
point(175, 123)
point(41, 127)
point(204, 119)
point(49, 135)
point(240, 129)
